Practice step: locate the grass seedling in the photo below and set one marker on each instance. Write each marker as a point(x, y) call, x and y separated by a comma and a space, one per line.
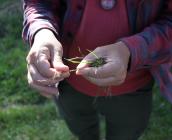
point(99, 61)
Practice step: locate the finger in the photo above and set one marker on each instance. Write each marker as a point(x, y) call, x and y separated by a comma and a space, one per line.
point(56, 59)
point(31, 57)
point(86, 61)
point(43, 89)
point(106, 70)
point(105, 81)
point(61, 75)
point(110, 68)
point(48, 95)
point(40, 59)
point(59, 66)
point(43, 66)
point(39, 79)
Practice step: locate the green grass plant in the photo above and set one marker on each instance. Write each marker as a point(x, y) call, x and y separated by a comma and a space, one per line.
point(25, 115)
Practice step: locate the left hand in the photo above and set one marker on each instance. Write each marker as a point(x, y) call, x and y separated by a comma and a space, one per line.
point(113, 72)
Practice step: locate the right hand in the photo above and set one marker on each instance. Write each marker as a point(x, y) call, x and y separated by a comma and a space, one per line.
point(45, 66)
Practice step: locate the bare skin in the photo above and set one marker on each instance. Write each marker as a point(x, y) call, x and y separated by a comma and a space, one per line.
point(113, 72)
point(45, 66)
point(46, 69)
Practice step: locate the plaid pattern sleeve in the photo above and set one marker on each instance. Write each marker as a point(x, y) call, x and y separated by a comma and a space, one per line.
point(152, 49)
point(152, 46)
point(39, 14)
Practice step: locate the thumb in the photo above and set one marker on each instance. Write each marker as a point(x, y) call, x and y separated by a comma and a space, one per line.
point(85, 63)
point(56, 58)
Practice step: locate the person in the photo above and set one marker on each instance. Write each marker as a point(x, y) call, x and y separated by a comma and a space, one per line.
point(134, 39)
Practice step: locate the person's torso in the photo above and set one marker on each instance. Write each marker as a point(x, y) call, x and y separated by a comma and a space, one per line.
point(99, 27)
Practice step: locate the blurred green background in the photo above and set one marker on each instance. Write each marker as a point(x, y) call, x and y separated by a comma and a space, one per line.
point(24, 114)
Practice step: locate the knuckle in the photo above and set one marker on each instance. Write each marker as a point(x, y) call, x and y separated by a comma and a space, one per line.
point(31, 56)
point(98, 49)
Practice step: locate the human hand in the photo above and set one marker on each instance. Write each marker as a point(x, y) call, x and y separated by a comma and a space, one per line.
point(45, 66)
point(113, 72)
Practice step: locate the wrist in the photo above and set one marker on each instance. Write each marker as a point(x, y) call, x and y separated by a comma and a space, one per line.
point(123, 48)
point(124, 51)
point(44, 34)
point(46, 37)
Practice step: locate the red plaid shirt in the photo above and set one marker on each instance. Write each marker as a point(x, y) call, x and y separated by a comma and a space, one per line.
point(150, 39)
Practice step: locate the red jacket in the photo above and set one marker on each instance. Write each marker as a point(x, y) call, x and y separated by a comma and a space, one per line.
point(149, 36)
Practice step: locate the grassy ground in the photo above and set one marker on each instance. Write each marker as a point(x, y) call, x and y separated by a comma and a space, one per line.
point(24, 115)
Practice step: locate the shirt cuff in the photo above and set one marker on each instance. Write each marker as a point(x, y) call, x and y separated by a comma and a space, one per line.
point(37, 27)
point(139, 52)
